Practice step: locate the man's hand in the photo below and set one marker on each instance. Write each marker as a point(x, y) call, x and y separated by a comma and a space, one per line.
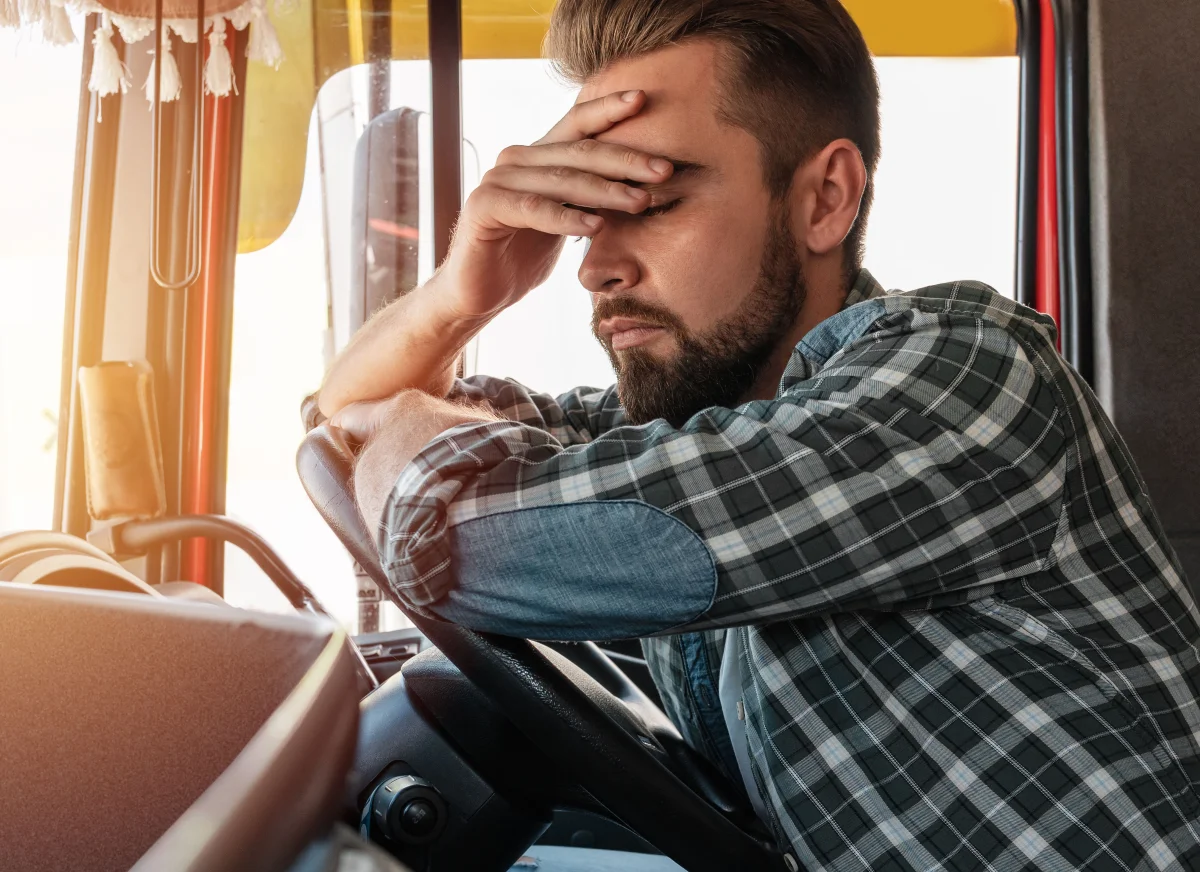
point(506, 242)
point(512, 227)
point(394, 431)
point(361, 420)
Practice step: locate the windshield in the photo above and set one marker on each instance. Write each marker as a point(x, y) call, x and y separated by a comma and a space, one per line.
point(944, 208)
point(37, 155)
point(939, 214)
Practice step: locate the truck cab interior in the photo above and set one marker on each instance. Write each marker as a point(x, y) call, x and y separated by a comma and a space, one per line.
point(200, 669)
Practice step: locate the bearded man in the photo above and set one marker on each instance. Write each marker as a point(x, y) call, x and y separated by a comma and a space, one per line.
point(893, 570)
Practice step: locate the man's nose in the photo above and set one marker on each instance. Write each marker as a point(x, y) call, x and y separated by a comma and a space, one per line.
point(607, 267)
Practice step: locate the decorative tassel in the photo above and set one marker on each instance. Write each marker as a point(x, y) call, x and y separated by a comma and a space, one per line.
point(133, 29)
point(242, 15)
point(171, 85)
point(218, 71)
point(10, 13)
point(264, 41)
point(184, 28)
point(31, 10)
point(56, 26)
point(109, 75)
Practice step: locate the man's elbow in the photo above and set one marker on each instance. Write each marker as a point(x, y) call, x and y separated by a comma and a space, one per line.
point(331, 397)
point(327, 402)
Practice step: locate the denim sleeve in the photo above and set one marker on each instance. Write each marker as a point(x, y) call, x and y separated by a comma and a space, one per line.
point(588, 570)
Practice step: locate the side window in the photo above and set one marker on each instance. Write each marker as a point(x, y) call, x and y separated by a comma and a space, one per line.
point(946, 189)
point(290, 318)
point(37, 153)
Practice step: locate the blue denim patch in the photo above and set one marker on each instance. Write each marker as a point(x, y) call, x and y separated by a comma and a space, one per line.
point(586, 570)
point(837, 331)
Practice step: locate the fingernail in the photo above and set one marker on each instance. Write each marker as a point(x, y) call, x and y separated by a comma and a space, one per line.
point(629, 96)
point(593, 221)
point(634, 193)
point(660, 166)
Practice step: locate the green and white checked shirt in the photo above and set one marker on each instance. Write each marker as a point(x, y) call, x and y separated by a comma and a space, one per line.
point(963, 640)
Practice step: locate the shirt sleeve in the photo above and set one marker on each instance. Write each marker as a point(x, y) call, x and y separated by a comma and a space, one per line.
point(921, 464)
point(576, 417)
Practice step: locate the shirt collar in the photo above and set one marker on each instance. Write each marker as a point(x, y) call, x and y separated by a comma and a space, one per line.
point(836, 332)
point(864, 288)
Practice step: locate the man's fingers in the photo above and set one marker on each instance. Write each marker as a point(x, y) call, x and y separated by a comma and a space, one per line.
point(505, 210)
point(358, 419)
point(595, 116)
point(602, 158)
point(567, 185)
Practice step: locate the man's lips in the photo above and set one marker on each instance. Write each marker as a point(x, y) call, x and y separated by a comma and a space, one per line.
point(625, 333)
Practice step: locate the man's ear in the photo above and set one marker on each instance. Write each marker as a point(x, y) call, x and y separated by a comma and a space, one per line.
point(826, 195)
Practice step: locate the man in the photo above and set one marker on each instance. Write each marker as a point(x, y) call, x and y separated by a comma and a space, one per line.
point(894, 571)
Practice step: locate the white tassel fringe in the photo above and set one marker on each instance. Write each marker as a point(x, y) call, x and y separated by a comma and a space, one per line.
point(10, 13)
point(56, 25)
point(32, 10)
point(109, 75)
point(241, 16)
point(171, 85)
point(184, 28)
point(264, 41)
point(133, 29)
point(218, 71)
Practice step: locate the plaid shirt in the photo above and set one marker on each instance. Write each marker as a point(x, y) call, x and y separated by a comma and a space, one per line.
point(964, 640)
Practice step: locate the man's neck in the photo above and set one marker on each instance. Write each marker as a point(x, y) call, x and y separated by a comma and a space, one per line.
point(819, 304)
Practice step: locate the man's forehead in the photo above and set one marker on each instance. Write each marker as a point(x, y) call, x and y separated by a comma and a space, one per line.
point(688, 67)
point(681, 99)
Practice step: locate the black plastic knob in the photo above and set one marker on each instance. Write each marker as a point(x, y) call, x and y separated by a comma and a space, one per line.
point(419, 818)
point(408, 809)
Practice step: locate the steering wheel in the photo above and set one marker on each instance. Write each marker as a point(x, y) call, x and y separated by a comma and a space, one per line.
point(51, 558)
point(628, 756)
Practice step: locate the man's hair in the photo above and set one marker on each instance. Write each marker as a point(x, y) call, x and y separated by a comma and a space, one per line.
point(797, 75)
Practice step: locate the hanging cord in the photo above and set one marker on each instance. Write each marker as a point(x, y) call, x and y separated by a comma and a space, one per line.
point(196, 192)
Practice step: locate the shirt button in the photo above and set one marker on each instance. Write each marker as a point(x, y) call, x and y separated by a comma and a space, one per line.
point(790, 862)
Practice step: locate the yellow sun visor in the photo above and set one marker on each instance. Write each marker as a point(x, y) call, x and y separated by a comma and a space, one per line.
point(325, 36)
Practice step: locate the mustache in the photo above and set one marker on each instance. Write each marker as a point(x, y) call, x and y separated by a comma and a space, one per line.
point(629, 307)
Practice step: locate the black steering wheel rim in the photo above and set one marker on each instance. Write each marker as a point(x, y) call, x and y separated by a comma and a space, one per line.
point(619, 760)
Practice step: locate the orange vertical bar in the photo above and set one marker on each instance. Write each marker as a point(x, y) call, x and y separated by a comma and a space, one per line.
point(1046, 297)
point(204, 301)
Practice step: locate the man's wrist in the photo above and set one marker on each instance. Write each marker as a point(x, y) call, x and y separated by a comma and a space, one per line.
point(446, 320)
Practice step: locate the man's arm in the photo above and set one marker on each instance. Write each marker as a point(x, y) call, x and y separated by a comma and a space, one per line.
point(926, 464)
point(393, 431)
point(413, 343)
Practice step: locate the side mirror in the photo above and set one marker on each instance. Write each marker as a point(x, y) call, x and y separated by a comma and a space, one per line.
point(384, 214)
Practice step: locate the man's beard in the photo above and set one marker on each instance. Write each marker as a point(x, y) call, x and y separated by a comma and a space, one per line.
point(720, 366)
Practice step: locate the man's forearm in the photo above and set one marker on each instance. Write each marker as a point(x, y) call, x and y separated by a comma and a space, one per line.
point(413, 343)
